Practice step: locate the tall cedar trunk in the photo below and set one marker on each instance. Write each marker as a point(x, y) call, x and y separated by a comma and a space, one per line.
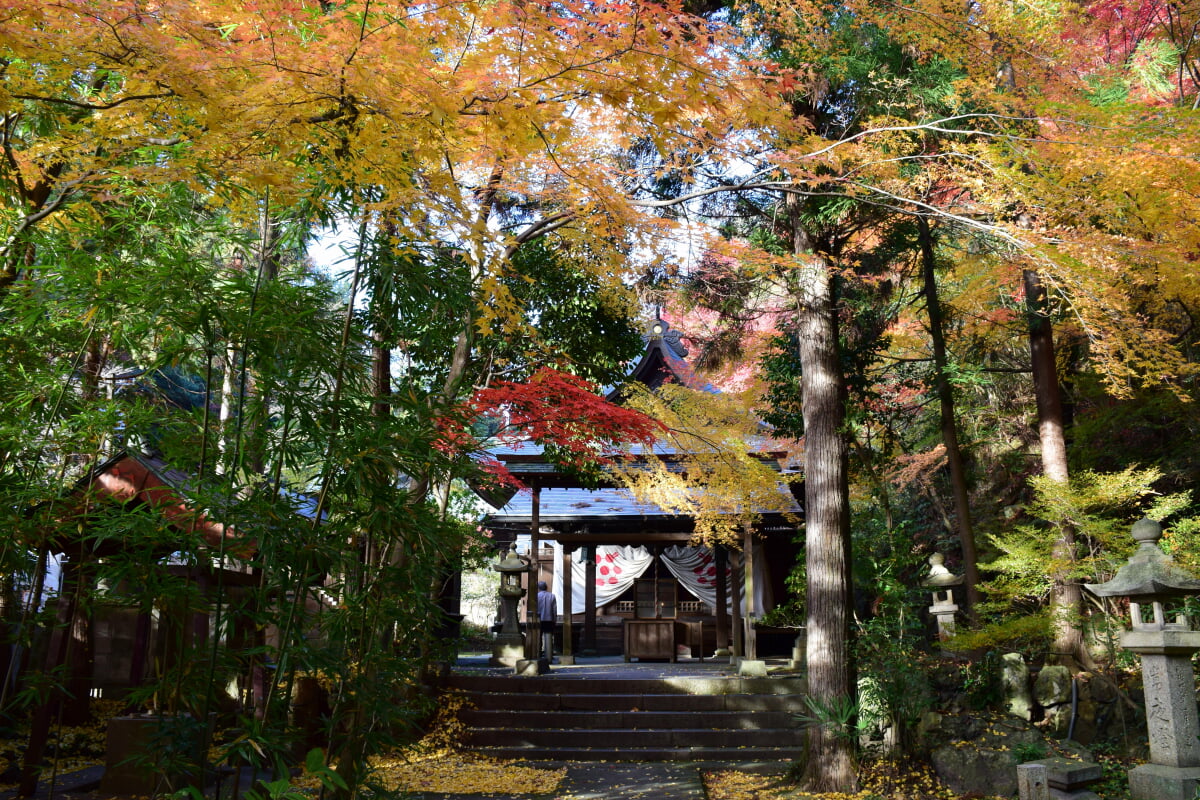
point(954, 459)
point(1066, 597)
point(829, 765)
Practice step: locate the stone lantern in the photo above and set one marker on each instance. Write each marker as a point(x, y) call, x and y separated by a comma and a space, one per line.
point(942, 581)
point(510, 643)
point(1153, 581)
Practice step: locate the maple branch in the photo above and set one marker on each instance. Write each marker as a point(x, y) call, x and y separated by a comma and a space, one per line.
point(540, 228)
point(64, 190)
point(751, 182)
point(362, 33)
point(550, 150)
point(942, 213)
point(93, 106)
point(467, 42)
point(10, 156)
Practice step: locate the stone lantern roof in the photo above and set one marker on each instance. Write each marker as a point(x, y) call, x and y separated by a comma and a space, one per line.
point(939, 576)
point(511, 562)
point(1150, 574)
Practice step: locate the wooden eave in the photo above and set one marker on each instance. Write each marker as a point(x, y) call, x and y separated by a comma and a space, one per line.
point(133, 479)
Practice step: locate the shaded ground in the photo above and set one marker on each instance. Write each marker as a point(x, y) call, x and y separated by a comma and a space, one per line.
point(583, 781)
point(621, 781)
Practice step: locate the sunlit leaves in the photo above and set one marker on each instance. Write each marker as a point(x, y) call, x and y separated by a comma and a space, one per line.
point(421, 101)
point(717, 464)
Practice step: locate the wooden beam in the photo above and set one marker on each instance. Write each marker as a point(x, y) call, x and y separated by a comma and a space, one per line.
point(610, 537)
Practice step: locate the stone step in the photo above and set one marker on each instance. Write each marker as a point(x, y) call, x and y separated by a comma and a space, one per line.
point(632, 719)
point(644, 754)
point(666, 686)
point(640, 739)
point(601, 720)
point(637, 702)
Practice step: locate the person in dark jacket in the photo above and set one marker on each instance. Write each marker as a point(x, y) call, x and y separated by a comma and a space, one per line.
point(547, 605)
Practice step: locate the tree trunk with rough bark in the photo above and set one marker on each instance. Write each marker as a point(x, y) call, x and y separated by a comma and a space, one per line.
point(1066, 597)
point(945, 394)
point(829, 765)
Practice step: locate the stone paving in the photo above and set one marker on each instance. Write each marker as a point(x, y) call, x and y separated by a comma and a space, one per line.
point(612, 667)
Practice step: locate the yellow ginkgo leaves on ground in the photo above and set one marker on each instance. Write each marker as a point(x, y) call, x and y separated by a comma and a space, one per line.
point(465, 774)
point(895, 780)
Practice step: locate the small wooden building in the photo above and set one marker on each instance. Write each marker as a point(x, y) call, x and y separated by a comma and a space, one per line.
point(637, 585)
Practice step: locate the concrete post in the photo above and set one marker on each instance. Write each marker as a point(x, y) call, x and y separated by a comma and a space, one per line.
point(1031, 782)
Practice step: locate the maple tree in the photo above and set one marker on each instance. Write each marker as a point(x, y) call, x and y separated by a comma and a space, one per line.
point(564, 415)
point(454, 138)
point(496, 159)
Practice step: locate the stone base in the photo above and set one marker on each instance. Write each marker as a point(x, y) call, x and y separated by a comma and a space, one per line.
point(752, 668)
point(1158, 782)
point(566, 661)
point(1068, 774)
point(507, 651)
point(531, 668)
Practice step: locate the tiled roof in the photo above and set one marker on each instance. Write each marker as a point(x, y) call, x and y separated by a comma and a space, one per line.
point(577, 504)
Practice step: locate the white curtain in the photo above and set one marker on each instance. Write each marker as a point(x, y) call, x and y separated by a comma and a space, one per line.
point(616, 570)
point(694, 567)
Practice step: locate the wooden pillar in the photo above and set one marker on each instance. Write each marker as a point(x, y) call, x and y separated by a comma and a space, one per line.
point(39, 729)
point(722, 609)
point(200, 616)
point(750, 640)
point(568, 581)
point(81, 649)
point(737, 583)
point(533, 626)
point(10, 625)
point(589, 600)
point(141, 648)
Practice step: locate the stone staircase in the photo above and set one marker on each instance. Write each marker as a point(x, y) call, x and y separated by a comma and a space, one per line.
point(632, 719)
